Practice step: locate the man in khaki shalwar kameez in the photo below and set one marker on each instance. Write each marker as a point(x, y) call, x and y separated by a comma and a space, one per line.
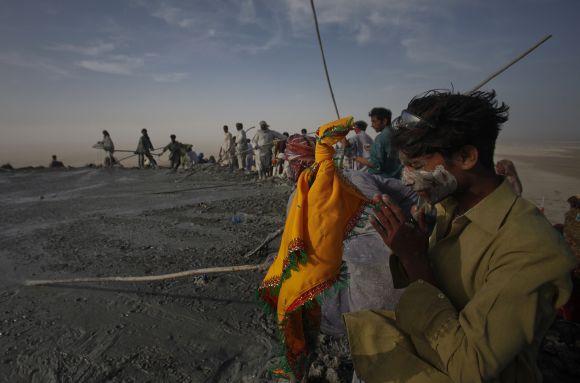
point(484, 287)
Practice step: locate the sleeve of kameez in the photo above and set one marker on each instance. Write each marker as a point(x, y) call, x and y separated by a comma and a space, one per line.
point(478, 342)
point(382, 150)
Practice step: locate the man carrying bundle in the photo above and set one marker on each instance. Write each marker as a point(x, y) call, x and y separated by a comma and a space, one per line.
point(483, 289)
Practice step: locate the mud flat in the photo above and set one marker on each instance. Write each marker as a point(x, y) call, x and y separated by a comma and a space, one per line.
point(550, 174)
point(91, 222)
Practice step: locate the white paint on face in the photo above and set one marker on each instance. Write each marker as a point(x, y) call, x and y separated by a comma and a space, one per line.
point(437, 185)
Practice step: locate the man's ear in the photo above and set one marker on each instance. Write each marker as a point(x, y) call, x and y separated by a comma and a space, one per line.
point(467, 157)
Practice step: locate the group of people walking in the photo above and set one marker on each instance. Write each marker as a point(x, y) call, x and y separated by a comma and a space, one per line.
point(265, 152)
point(178, 152)
point(238, 151)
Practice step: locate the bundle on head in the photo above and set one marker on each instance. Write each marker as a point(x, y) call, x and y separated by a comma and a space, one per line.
point(299, 153)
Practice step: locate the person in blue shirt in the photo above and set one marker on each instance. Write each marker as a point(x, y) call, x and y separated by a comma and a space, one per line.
point(384, 160)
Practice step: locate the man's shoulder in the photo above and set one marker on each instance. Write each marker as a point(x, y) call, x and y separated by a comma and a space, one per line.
point(382, 137)
point(523, 211)
point(526, 229)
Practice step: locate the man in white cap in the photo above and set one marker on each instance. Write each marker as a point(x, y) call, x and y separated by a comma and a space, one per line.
point(263, 142)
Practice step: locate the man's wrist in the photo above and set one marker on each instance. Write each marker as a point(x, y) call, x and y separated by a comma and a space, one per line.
point(424, 275)
point(421, 270)
point(417, 267)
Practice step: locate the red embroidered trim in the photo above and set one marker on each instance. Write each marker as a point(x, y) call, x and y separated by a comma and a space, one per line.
point(311, 294)
point(353, 221)
point(297, 244)
point(271, 282)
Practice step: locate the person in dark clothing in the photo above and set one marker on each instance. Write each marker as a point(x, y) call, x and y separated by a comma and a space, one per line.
point(174, 148)
point(54, 164)
point(144, 149)
point(383, 159)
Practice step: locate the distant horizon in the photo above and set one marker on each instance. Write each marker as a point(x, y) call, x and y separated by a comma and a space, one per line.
point(80, 154)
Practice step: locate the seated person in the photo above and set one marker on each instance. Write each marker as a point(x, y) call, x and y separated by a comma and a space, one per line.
point(55, 164)
point(201, 159)
point(483, 289)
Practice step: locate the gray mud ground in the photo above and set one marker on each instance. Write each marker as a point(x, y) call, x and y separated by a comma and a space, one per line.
point(94, 222)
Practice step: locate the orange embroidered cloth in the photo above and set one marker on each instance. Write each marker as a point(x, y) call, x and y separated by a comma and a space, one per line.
point(324, 209)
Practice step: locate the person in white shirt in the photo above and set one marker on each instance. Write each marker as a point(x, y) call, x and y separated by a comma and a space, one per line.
point(241, 145)
point(361, 144)
point(108, 147)
point(225, 155)
point(263, 142)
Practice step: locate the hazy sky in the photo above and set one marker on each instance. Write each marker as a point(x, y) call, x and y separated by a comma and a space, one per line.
point(69, 69)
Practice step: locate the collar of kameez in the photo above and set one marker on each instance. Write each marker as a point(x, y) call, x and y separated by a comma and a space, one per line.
point(490, 212)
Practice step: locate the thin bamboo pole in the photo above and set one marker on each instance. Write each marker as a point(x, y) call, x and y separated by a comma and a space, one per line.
point(508, 65)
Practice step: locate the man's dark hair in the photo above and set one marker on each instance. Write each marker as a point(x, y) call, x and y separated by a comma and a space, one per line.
point(362, 125)
point(303, 131)
point(225, 127)
point(172, 136)
point(239, 125)
point(381, 113)
point(143, 131)
point(451, 121)
point(54, 156)
point(105, 133)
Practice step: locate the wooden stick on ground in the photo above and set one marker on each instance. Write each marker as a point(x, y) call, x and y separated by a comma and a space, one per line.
point(266, 241)
point(163, 277)
point(203, 187)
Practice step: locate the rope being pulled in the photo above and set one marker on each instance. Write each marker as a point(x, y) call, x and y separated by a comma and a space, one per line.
point(163, 277)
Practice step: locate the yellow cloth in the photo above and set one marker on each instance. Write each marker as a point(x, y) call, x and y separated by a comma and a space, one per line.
point(502, 271)
point(309, 260)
